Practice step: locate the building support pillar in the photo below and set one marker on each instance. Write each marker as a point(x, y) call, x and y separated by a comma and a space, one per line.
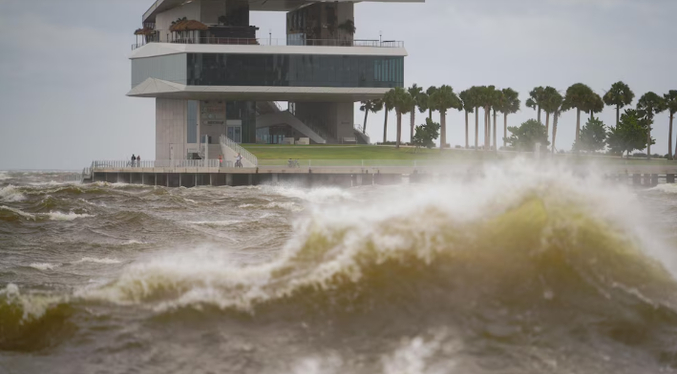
point(670, 178)
point(229, 179)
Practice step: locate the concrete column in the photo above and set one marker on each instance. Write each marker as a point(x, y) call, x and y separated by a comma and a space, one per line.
point(670, 178)
point(229, 179)
point(167, 179)
point(155, 181)
point(250, 179)
point(654, 180)
point(195, 184)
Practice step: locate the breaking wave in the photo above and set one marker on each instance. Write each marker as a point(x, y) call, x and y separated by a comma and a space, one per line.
point(32, 322)
point(520, 237)
point(11, 193)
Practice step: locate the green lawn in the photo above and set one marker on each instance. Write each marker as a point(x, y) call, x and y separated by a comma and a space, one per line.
point(353, 154)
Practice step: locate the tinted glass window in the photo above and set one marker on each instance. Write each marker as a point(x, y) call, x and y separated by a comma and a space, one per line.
point(294, 70)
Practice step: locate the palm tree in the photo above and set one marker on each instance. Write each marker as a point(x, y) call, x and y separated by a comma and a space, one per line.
point(510, 104)
point(619, 95)
point(429, 92)
point(535, 100)
point(370, 106)
point(577, 96)
point(444, 99)
point(402, 103)
point(551, 100)
point(496, 105)
point(469, 106)
point(414, 91)
point(486, 97)
point(388, 105)
point(671, 105)
point(649, 105)
point(595, 105)
point(552, 105)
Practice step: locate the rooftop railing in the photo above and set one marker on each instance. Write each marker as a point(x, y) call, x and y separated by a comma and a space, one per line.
point(372, 43)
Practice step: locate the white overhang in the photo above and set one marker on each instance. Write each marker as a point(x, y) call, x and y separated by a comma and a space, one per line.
point(153, 87)
point(162, 49)
point(160, 6)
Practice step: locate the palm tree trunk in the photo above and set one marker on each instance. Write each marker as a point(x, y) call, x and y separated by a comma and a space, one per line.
point(648, 142)
point(488, 126)
point(618, 115)
point(477, 127)
point(399, 128)
point(592, 115)
point(413, 120)
point(670, 138)
point(486, 132)
point(443, 131)
point(578, 123)
point(547, 123)
point(539, 114)
point(430, 113)
point(364, 128)
point(494, 134)
point(554, 131)
point(466, 129)
point(505, 127)
point(385, 127)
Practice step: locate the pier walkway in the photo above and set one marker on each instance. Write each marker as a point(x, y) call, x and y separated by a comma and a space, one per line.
point(190, 173)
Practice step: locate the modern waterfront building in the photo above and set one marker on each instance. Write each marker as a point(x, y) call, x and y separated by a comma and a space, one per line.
point(211, 76)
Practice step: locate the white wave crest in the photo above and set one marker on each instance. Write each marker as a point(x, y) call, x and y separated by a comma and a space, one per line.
point(670, 188)
point(4, 175)
point(95, 260)
point(290, 206)
point(32, 305)
point(11, 194)
point(58, 216)
point(211, 276)
point(19, 212)
point(42, 266)
point(314, 195)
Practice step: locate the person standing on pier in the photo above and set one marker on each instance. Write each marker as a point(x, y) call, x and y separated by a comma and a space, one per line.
point(133, 160)
point(238, 161)
point(138, 160)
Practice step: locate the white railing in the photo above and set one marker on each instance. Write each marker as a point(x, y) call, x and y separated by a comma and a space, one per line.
point(117, 164)
point(225, 141)
point(373, 43)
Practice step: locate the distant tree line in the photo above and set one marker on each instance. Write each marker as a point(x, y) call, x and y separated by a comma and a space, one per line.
point(632, 130)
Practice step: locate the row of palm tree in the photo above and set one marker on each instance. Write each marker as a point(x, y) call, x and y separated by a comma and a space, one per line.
point(506, 101)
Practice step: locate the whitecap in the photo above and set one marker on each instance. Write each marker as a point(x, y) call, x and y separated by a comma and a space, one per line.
point(58, 216)
point(11, 193)
point(18, 211)
point(42, 266)
point(95, 260)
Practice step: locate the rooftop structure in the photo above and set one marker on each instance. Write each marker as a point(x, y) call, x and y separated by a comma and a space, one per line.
point(211, 76)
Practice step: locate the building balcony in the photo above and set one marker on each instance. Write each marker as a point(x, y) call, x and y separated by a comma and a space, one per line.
point(371, 43)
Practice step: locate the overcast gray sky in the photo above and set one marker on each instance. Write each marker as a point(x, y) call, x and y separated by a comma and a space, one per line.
point(64, 67)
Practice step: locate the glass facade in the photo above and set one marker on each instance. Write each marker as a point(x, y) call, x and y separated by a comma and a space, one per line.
point(210, 69)
point(191, 121)
point(170, 68)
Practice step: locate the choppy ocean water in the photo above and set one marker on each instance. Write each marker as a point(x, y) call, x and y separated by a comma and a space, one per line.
point(522, 271)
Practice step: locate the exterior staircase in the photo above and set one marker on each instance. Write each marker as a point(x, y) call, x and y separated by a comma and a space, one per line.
point(285, 117)
point(230, 149)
